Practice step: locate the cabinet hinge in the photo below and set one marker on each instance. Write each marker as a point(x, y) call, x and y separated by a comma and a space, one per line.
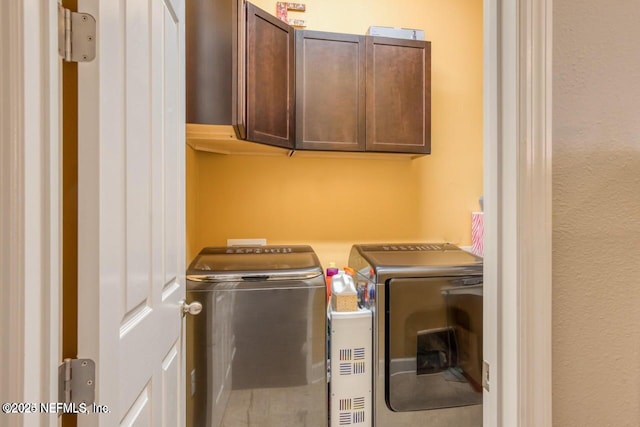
point(76, 35)
point(77, 381)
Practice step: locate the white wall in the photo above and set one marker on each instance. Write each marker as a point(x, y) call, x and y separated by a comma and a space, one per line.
point(596, 213)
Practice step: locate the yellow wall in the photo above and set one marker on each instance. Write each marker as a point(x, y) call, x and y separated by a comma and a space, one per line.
point(332, 203)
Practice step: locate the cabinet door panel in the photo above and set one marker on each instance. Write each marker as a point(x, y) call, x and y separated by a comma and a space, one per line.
point(330, 91)
point(208, 32)
point(398, 95)
point(270, 79)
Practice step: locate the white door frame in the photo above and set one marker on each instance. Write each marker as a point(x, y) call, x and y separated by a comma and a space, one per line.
point(517, 188)
point(30, 166)
point(517, 179)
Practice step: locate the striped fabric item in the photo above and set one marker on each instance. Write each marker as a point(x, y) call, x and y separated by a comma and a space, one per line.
point(477, 233)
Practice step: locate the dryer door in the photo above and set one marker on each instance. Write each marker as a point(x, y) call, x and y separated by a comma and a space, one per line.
point(433, 342)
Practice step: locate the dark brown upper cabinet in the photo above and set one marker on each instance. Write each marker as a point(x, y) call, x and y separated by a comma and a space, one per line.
point(240, 71)
point(270, 67)
point(398, 95)
point(209, 36)
point(330, 91)
point(302, 90)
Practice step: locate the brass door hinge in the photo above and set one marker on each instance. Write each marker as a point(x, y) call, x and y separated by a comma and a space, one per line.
point(77, 381)
point(76, 35)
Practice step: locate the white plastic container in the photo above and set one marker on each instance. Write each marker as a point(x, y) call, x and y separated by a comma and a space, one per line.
point(397, 33)
point(351, 368)
point(344, 296)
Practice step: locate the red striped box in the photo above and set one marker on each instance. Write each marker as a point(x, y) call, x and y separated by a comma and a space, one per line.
point(477, 233)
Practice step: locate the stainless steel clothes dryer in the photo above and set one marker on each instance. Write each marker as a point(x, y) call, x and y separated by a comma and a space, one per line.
point(256, 354)
point(427, 315)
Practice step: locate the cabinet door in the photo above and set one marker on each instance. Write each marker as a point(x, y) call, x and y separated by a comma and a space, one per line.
point(330, 91)
point(270, 79)
point(208, 32)
point(238, 68)
point(398, 95)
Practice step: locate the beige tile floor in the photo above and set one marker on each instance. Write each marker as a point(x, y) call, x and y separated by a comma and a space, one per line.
point(289, 407)
point(276, 407)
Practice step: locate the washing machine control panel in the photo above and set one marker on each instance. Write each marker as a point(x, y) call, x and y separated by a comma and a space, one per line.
point(259, 250)
point(410, 247)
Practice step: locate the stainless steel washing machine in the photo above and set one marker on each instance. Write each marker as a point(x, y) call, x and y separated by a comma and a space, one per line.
point(256, 354)
point(427, 314)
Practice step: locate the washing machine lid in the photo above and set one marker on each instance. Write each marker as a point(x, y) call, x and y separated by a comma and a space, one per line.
point(420, 258)
point(237, 263)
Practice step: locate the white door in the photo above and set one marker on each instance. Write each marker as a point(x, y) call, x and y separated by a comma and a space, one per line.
point(131, 211)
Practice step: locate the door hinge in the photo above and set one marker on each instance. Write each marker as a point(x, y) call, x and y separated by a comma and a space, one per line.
point(76, 35)
point(77, 381)
point(485, 375)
